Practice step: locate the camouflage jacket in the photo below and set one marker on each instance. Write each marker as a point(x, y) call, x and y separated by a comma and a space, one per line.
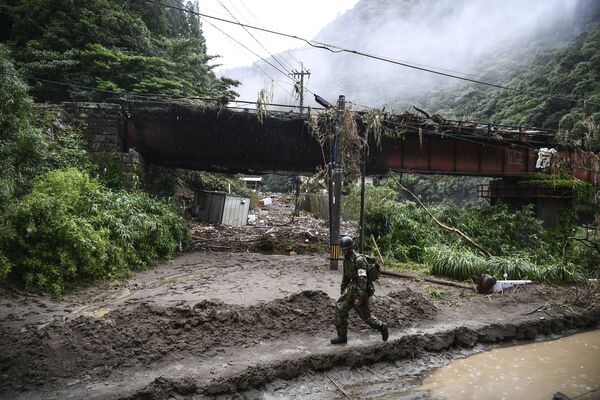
point(355, 275)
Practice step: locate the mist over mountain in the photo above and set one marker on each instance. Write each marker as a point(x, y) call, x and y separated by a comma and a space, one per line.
point(476, 39)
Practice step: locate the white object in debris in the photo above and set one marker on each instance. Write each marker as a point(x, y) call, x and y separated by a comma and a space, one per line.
point(501, 285)
point(266, 201)
point(251, 217)
point(544, 157)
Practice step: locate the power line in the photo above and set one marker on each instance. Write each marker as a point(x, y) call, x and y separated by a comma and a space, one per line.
point(242, 45)
point(246, 47)
point(254, 37)
point(337, 49)
point(158, 97)
point(231, 2)
point(257, 20)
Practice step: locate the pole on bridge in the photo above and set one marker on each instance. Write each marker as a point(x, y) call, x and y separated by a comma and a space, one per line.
point(336, 178)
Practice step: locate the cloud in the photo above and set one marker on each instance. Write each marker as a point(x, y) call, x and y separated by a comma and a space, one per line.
point(466, 36)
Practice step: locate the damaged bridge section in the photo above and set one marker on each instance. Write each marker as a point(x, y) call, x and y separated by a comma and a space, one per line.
point(233, 141)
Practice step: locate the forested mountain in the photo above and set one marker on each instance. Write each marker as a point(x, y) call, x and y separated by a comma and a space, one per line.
point(455, 36)
point(571, 71)
point(112, 45)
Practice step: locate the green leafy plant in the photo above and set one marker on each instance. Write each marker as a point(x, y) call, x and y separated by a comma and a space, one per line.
point(458, 263)
point(70, 230)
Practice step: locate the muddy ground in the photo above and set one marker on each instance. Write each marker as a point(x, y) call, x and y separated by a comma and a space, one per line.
point(249, 325)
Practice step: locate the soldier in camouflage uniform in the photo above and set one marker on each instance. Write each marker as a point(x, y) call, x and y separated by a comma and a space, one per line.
point(354, 294)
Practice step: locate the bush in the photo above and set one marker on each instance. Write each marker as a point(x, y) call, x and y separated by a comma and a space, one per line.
point(458, 263)
point(69, 230)
point(515, 267)
point(403, 230)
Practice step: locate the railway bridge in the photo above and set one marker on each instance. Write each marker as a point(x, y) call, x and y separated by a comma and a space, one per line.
point(223, 139)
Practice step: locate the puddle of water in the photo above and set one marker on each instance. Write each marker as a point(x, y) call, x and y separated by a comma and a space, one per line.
point(570, 365)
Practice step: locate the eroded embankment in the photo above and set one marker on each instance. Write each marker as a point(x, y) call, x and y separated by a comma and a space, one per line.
point(149, 334)
point(408, 346)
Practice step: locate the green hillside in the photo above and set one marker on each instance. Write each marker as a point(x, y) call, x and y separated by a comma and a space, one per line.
point(571, 71)
point(111, 45)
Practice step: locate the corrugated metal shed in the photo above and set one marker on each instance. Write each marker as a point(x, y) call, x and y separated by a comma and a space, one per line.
point(221, 208)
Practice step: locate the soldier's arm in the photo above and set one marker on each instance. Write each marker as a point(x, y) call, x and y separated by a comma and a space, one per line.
point(362, 280)
point(345, 281)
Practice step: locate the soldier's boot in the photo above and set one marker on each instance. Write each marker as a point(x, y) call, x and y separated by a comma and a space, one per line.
point(384, 332)
point(340, 339)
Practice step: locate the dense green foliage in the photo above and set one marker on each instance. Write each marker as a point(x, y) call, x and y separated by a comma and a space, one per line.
point(111, 45)
point(517, 239)
point(22, 147)
point(440, 189)
point(59, 226)
point(462, 263)
point(70, 230)
point(571, 71)
point(276, 183)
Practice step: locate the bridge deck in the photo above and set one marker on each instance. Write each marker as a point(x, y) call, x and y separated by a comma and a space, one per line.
point(232, 141)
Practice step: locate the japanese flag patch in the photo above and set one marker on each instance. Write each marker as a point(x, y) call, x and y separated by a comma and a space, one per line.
point(362, 272)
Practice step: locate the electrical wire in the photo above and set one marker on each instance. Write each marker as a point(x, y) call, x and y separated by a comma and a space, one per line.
point(248, 49)
point(257, 20)
point(167, 99)
point(245, 47)
point(338, 49)
point(160, 97)
point(255, 39)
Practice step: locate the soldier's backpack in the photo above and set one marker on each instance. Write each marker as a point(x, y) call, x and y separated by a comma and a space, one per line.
point(373, 271)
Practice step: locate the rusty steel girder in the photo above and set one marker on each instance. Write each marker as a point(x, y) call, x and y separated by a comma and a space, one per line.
point(237, 142)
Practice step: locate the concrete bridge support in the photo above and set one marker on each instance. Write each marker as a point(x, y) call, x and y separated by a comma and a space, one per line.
point(548, 201)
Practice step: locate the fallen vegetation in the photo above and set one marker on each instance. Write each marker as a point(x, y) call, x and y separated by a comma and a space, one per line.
point(516, 242)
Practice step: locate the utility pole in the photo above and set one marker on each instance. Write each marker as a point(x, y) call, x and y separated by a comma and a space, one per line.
point(300, 89)
point(363, 172)
point(336, 197)
point(300, 83)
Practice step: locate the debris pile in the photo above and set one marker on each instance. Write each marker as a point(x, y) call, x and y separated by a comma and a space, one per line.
point(272, 229)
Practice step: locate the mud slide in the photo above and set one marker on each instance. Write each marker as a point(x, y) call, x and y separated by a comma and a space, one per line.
point(146, 347)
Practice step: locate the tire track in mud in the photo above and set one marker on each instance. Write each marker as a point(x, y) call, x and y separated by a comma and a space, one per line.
point(407, 347)
point(149, 334)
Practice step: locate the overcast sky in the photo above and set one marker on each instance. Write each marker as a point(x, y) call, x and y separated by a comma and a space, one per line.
point(300, 18)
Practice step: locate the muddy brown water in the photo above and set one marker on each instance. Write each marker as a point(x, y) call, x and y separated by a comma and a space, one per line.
point(570, 365)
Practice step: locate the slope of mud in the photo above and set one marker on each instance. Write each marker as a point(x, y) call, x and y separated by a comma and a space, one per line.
point(147, 334)
point(408, 347)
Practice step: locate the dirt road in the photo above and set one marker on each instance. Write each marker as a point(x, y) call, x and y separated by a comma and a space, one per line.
point(213, 324)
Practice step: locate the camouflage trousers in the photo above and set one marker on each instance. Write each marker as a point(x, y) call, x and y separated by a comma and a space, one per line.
point(343, 306)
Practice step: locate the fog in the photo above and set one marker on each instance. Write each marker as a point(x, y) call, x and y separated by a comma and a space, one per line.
point(464, 37)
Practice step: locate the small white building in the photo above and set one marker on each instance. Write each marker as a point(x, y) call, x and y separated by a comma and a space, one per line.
point(253, 182)
point(221, 208)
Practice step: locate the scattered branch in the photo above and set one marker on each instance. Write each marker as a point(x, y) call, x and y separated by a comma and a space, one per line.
point(446, 227)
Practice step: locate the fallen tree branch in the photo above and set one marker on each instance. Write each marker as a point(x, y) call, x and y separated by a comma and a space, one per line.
point(446, 227)
point(588, 242)
point(339, 388)
point(377, 248)
point(407, 275)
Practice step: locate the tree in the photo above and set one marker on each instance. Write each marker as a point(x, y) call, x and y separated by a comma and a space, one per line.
point(112, 45)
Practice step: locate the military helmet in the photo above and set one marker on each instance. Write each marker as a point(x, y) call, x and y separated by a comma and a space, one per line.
point(346, 242)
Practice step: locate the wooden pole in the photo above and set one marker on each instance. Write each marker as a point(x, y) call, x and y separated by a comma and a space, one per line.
point(336, 206)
